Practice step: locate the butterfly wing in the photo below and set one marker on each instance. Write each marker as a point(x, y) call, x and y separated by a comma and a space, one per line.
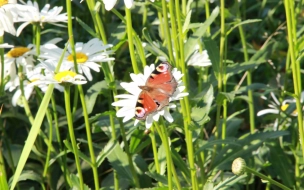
point(161, 84)
point(145, 105)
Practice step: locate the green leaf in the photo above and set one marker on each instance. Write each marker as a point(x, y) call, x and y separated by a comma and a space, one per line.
point(225, 95)
point(76, 183)
point(193, 39)
point(244, 148)
point(237, 68)
point(229, 182)
point(32, 134)
point(214, 54)
point(135, 140)
point(162, 159)
point(203, 101)
point(187, 21)
point(30, 175)
point(181, 165)
point(87, 28)
point(106, 151)
point(264, 53)
point(81, 155)
point(154, 47)
point(208, 185)
point(119, 161)
point(243, 23)
point(92, 93)
point(159, 178)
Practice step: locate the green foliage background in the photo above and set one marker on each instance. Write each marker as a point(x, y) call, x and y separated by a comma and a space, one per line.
point(256, 49)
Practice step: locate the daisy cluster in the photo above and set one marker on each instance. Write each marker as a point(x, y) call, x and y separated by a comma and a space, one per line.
point(27, 13)
point(21, 59)
point(24, 69)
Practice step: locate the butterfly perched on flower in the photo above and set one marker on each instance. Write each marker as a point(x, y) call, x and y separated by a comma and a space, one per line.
point(151, 94)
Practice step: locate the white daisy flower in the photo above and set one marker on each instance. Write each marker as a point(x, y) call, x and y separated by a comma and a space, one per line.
point(16, 57)
point(88, 55)
point(275, 107)
point(32, 76)
point(6, 45)
point(63, 77)
point(199, 59)
point(109, 4)
point(7, 17)
point(21, 56)
point(128, 101)
point(46, 15)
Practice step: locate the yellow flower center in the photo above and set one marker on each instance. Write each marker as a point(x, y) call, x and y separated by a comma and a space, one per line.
point(3, 2)
point(62, 75)
point(284, 108)
point(17, 52)
point(80, 57)
point(33, 80)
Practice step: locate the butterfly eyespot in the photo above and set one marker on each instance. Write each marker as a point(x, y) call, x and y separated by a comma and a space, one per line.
point(163, 67)
point(140, 112)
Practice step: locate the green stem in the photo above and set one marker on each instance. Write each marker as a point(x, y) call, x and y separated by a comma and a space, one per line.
point(2, 67)
point(71, 133)
point(49, 145)
point(185, 104)
point(167, 30)
point(295, 65)
point(63, 161)
point(249, 79)
point(222, 79)
point(89, 137)
point(155, 154)
point(38, 38)
point(169, 165)
point(127, 150)
point(130, 40)
point(249, 170)
point(24, 100)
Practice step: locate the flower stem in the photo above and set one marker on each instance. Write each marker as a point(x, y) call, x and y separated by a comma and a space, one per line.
point(155, 154)
point(24, 100)
point(130, 40)
point(249, 79)
point(185, 105)
point(71, 133)
point(37, 38)
point(2, 68)
point(295, 65)
point(249, 170)
point(89, 136)
point(167, 30)
point(63, 163)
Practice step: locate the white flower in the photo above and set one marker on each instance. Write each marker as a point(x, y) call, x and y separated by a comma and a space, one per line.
point(16, 57)
point(6, 45)
point(21, 56)
point(63, 77)
point(46, 15)
point(128, 101)
point(199, 59)
point(7, 17)
point(87, 55)
point(32, 76)
point(109, 4)
point(275, 107)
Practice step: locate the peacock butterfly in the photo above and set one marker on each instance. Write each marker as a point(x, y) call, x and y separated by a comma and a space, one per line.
point(155, 95)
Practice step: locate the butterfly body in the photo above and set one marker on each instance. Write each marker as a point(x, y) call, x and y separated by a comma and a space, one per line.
point(159, 87)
